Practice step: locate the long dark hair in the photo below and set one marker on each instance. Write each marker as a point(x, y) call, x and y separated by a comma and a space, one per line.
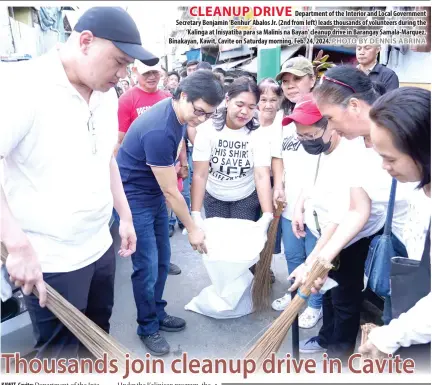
point(406, 113)
point(239, 85)
point(355, 84)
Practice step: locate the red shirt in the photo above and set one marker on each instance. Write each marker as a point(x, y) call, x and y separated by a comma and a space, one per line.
point(134, 102)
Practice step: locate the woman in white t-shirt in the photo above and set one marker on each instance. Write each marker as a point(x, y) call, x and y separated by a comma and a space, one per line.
point(238, 179)
point(297, 167)
point(345, 96)
point(270, 119)
point(401, 134)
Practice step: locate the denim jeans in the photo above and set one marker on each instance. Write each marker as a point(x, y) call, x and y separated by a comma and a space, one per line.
point(296, 251)
point(150, 265)
point(186, 184)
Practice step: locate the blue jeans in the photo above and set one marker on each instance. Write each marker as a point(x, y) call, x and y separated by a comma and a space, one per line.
point(150, 265)
point(296, 251)
point(186, 185)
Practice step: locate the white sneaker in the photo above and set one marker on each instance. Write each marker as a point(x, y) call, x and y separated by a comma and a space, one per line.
point(282, 303)
point(309, 318)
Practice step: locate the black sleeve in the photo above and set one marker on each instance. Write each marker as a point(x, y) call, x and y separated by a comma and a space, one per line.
point(390, 80)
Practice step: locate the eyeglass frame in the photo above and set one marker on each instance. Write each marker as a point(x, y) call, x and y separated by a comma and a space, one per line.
point(207, 115)
point(335, 81)
point(302, 138)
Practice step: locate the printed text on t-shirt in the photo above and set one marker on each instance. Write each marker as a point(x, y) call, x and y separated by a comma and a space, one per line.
point(230, 159)
point(290, 143)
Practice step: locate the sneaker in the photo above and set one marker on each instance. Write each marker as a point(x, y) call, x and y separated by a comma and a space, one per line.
point(181, 226)
point(281, 304)
point(174, 269)
point(310, 317)
point(171, 230)
point(311, 345)
point(172, 324)
point(156, 344)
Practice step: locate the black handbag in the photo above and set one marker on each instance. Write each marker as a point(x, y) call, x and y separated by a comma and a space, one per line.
point(410, 280)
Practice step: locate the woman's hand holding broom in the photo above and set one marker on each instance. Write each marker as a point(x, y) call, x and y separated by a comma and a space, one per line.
point(300, 274)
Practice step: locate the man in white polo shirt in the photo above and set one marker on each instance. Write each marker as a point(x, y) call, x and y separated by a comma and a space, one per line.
point(61, 179)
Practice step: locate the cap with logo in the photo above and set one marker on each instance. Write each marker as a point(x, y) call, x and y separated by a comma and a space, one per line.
point(116, 25)
point(305, 112)
point(299, 66)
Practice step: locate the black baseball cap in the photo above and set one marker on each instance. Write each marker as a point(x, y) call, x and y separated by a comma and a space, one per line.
point(116, 25)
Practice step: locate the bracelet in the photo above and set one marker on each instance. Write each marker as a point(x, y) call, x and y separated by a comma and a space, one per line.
point(186, 166)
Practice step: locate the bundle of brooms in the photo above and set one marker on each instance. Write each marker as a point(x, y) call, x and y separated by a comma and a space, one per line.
point(95, 339)
point(261, 286)
point(272, 339)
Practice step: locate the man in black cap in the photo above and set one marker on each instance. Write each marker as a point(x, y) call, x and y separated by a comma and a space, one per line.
point(61, 178)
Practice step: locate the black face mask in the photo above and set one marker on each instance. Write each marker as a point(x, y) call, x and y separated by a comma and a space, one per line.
point(315, 146)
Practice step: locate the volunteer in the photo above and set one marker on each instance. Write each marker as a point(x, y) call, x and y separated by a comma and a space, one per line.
point(401, 134)
point(270, 119)
point(61, 179)
point(297, 80)
point(147, 165)
point(238, 181)
point(344, 96)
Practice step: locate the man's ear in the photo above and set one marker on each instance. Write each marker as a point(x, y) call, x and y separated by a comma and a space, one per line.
point(85, 39)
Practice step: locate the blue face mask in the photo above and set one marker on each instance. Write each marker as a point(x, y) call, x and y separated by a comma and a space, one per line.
point(315, 146)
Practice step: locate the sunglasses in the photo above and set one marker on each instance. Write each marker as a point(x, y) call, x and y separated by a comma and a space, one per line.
point(336, 82)
point(207, 115)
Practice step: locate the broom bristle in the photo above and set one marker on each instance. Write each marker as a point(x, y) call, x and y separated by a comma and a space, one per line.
point(261, 287)
point(272, 339)
point(95, 339)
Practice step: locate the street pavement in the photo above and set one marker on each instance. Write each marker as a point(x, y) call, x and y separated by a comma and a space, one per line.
point(204, 337)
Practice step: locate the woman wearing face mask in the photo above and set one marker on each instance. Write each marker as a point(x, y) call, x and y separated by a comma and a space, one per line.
point(297, 80)
point(344, 97)
point(401, 134)
point(238, 181)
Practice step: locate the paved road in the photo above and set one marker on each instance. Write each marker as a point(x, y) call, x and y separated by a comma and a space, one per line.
point(203, 336)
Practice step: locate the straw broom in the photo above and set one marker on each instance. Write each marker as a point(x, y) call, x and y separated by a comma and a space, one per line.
point(261, 287)
point(95, 339)
point(272, 339)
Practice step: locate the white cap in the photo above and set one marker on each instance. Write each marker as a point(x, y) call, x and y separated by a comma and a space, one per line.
point(143, 68)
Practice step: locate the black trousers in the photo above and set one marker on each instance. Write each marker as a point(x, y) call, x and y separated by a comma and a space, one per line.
point(91, 290)
point(243, 209)
point(342, 304)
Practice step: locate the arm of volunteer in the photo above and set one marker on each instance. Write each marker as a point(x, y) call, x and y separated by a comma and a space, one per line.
point(159, 152)
point(124, 114)
point(278, 184)
point(22, 262)
point(263, 187)
point(262, 164)
point(201, 158)
point(350, 226)
point(121, 205)
point(412, 327)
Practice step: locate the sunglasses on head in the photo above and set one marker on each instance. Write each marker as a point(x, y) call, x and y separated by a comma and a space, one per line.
point(324, 77)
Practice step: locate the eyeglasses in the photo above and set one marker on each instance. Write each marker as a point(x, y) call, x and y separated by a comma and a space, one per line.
point(314, 136)
point(207, 115)
point(336, 82)
point(92, 131)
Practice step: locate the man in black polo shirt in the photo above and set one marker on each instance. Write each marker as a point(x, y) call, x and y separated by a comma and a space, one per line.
point(366, 55)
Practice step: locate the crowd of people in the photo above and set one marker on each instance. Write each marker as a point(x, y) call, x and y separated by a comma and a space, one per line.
point(330, 148)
